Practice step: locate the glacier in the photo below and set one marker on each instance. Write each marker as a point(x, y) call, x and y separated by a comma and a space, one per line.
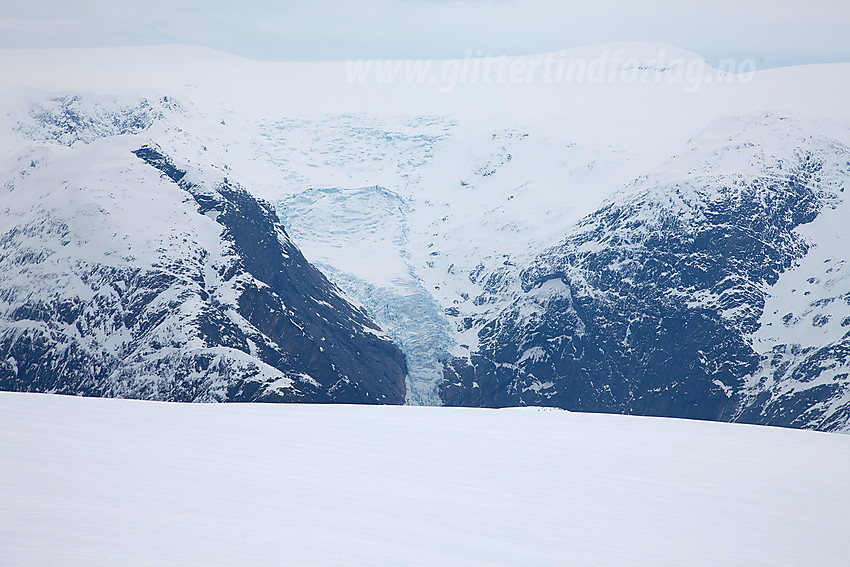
point(358, 237)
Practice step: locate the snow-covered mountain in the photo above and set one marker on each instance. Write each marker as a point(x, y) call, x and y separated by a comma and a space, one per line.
point(666, 240)
point(651, 304)
point(126, 271)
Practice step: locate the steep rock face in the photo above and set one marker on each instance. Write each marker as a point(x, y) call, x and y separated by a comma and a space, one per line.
point(125, 275)
point(802, 387)
point(292, 303)
point(650, 305)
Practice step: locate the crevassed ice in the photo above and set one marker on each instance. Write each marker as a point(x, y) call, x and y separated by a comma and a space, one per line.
point(357, 237)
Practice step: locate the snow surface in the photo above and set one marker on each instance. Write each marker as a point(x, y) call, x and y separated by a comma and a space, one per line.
point(89, 482)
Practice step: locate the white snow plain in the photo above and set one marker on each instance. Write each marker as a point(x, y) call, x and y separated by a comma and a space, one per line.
point(96, 482)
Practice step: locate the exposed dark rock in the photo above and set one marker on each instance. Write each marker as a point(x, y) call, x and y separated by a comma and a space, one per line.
point(647, 307)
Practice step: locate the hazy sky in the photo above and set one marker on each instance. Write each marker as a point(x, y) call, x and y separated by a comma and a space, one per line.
point(774, 32)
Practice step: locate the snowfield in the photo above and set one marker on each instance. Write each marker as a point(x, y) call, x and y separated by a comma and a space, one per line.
point(93, 482)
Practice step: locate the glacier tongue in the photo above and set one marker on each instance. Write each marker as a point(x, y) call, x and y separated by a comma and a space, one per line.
point(358, 237)
point(414, 321)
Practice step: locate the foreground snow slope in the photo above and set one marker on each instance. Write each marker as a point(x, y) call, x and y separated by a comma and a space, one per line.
point(117, 482)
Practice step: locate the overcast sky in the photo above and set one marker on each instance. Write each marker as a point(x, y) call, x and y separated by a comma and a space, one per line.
point(774, 32)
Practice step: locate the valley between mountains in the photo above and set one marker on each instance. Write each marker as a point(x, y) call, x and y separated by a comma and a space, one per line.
point(206, 228)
